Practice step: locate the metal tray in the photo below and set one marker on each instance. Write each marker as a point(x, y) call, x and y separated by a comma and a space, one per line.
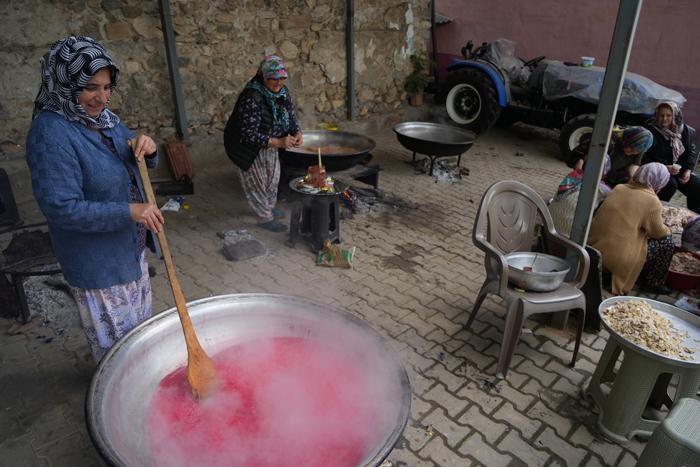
point(681, 320)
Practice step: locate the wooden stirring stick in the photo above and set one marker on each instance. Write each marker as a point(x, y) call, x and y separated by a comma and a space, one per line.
point(201, 374)
point(320, 164)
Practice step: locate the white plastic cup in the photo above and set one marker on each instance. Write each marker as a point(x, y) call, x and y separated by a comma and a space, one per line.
point(587, 61)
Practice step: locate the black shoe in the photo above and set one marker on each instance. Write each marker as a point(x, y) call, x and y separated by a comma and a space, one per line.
point(658, 289)
point(273, 226)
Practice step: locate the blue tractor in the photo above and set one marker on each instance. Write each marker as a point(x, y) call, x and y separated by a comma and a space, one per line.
point(490, 85)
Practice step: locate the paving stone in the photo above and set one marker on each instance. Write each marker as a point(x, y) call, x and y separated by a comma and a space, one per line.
point(628, 460)
point(566, 371)
point(549, 439)
point(419, 407)
point(608, 452)
point(527, 426)
point(517, 398)
point(488, 428)
point(526, 453)
point(541, 412)
point(438, 394)
point(49, 427)
point(442, 455)
point(402, 457)
point(452, 362)
point(476, 447)
point(418, 342)
point(416, 360)
point(73, 450)
point(417, 435)
point(476, 358)
point(450, 380)
point(475, 393)
point(546, 378)
point(453, 432)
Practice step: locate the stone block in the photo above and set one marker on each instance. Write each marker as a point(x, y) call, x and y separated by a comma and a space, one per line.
point(452, 404)
point(526, 425)
point(118, 31)
point(452, 381)
point(522, 450)
point(570, 454)
point(486, 401)
point(475, 447)
point(561, 424)
point(489, 429)
point(296, 22)
point(442, 455)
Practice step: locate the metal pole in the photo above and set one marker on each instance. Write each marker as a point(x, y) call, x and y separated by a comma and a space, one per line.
point(174, 68)
point(433, 40)
point(620, 48)
point(350, 56)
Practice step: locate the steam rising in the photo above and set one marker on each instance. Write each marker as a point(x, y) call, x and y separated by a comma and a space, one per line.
point(281, 401)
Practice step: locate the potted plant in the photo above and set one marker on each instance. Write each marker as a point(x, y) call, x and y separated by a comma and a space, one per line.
point(416, 81)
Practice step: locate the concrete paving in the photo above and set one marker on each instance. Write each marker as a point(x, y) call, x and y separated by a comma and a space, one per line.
point(415, 277)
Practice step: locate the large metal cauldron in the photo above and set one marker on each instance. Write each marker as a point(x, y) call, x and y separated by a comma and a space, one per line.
point(303, 157)
point(434, 140)
point(126, 378)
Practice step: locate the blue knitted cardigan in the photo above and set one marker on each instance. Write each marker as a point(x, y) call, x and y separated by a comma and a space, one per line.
point(83, 190)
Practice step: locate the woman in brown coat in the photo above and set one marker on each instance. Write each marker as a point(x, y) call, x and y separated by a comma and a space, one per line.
point(630, 234)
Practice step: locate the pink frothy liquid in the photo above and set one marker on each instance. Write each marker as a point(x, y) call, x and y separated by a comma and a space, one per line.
point(280, 402)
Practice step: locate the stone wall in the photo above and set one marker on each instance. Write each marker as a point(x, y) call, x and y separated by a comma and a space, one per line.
point(219, 44)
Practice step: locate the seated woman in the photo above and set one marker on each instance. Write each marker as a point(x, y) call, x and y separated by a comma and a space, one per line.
point(628, 231)
point(626, 149)
point(563, 205)
point(674, 146)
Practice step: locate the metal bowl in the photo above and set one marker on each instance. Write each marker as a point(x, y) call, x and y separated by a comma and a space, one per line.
point(303, 157)
point(125, 380)
point(547, 272)
point(434, 139)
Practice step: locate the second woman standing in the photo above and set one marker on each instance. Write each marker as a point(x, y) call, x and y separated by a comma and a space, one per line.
point(263, 121)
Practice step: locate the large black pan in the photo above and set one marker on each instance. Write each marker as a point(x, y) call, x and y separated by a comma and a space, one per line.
point(301, 158)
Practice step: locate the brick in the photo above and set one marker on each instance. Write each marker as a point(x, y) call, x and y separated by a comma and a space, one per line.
point(570, 454)
point(489, 429)
point(476, 447)
point(525, 452)
point(416, 360)
point(541, 412)
point(416, 341)
point(450, 380)
point(526, 425)
point(566, 371)
point(487, 401)
point(453, 405)
point(607, 451)
point(546, 378)
point(627, 460)
point(402, 457)
point(476, 358)
point(417, 435)
point(442, 455)
point(453, 432)
point(517, 398)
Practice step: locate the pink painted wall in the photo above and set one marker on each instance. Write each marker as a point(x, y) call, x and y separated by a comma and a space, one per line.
point(666, 45)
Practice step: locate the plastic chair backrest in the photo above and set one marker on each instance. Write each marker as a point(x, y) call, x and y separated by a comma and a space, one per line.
point(510, 212)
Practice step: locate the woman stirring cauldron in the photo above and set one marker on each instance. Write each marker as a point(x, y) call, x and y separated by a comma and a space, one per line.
point(85, 180)
point(674, 146)
point(262, 122)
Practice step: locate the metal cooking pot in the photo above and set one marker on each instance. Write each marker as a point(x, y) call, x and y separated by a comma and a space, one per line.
point(434, 139)
point(545, 272)
point(125, 380)
point(303, 157)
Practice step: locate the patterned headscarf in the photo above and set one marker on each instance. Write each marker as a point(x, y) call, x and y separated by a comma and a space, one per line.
point(673, 133)
point(637, 138)
point(66, 68)
point(272, 66)
point(652, 175)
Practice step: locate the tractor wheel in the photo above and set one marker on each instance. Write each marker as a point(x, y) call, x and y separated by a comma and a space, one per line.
point(472, 99)
point(574, 132)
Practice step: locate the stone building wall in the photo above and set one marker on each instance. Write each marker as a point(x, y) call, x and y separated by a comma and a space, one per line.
point(219, 44)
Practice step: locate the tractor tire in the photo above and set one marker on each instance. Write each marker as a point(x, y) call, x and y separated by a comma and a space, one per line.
point(472, 99)
point(573, 132)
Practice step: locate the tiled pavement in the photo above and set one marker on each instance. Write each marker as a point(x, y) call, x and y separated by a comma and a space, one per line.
point(416, 273)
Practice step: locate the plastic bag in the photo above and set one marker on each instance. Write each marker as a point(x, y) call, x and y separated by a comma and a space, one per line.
point(334, 256)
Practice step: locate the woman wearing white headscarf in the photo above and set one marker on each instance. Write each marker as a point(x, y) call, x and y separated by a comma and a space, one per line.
point(630, 234)
point(85, 179)
point(674, 146)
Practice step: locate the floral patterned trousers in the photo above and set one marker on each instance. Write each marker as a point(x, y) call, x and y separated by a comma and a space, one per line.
point(260, 183)
point(108, 314)
point(659, 255)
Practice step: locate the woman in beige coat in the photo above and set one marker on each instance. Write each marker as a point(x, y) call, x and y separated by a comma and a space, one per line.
point(630, 234)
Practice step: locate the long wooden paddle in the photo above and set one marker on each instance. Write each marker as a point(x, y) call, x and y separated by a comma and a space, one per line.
point(201, 374)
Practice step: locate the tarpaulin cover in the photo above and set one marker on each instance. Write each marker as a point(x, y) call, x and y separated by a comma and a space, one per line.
point(639, 94)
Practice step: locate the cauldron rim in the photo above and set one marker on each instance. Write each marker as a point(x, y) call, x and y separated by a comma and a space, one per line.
point(95, 391)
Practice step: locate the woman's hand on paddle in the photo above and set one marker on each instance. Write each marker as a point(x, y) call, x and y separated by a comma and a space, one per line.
point(148, 215)
point(142, 146)
point(685, 176)
point(298, 139)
